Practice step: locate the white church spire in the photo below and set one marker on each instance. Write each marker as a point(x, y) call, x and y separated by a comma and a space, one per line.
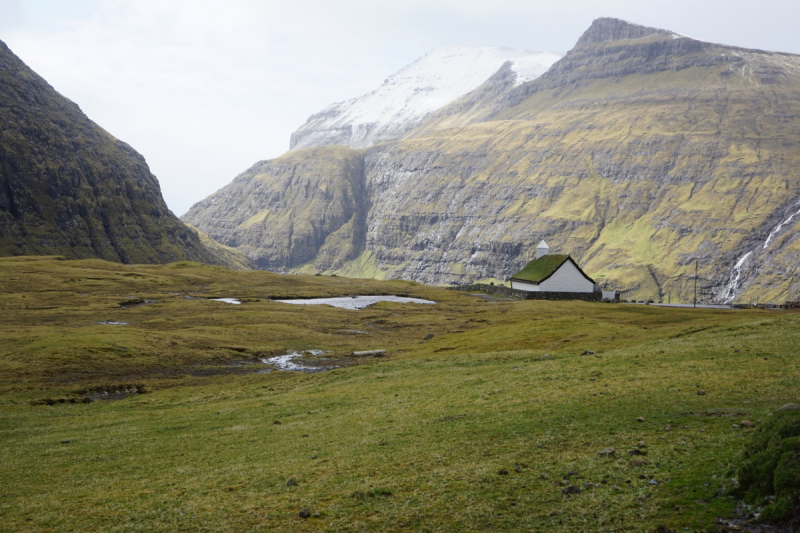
point(542, 249)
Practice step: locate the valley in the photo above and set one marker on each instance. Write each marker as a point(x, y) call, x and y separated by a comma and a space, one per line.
point(295, 352)
point(418, 439)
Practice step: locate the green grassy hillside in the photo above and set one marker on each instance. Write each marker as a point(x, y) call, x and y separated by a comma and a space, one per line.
point(427, 438)
point(69, 187)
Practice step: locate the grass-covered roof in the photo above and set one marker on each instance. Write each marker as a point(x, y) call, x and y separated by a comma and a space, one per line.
point(540, 269)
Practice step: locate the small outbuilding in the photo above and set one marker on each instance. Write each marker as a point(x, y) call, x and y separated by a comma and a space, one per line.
point(552, 273)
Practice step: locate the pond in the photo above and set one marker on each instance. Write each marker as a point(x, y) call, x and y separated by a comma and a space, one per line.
point(234, 301)
point(356, 302)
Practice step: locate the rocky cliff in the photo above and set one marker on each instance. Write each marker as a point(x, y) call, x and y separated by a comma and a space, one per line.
point(308, 206)
point(640, 153)
point(68, 187)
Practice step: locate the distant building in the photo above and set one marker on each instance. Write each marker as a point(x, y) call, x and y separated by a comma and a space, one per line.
point(552, 273)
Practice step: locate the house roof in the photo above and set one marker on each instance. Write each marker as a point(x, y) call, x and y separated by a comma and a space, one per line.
point(540, 269)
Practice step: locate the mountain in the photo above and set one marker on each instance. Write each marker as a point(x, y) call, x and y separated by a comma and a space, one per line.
point(642, 153)
point(405, 98)
point(308, 205)
point(67, 187)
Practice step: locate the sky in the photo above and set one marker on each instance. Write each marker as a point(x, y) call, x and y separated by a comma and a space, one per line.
point(204, 89)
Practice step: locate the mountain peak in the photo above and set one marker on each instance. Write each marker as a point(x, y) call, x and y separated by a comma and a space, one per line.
point(607, 29)
point(409, 95)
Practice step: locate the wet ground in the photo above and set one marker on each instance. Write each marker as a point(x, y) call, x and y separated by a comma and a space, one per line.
point(312, 361)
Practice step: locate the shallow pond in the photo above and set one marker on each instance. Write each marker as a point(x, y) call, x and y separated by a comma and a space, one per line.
point(356, 302)
point(234, 301)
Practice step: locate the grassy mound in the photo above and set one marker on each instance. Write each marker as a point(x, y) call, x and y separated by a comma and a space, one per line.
point(771, 469)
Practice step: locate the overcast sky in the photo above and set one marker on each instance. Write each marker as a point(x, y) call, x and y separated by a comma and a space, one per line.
point(203, 89)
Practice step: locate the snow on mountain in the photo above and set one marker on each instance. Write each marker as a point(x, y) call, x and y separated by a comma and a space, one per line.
point(405, 98)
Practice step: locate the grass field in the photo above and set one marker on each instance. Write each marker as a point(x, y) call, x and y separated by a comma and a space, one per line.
point(474, 429)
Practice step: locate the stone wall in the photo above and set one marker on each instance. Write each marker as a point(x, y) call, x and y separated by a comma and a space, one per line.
point(501, 290)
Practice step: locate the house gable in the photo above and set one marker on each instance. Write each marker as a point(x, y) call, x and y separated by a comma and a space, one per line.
point(567, 278)
point(539, 270)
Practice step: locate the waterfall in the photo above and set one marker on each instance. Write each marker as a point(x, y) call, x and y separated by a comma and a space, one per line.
point(778, 228)
point(736, 273)
point(733, 283)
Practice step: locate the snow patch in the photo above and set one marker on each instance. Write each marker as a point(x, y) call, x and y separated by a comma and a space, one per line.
point(405, 98)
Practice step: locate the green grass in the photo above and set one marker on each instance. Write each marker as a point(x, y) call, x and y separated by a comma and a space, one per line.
point(411, 442)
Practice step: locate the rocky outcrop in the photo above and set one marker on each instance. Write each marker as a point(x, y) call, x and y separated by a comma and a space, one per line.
point(68, 187)
point(640, 153)
point(608, 30)
point(307, 206)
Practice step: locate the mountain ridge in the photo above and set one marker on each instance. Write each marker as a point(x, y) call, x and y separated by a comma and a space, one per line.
point(406, 97)
point(638, 156)
point(68, 187)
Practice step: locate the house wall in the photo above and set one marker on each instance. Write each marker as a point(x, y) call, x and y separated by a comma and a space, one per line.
point(567, 279)
point(522, 286)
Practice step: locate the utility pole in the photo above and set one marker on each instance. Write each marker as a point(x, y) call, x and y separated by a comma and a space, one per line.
point(695, 282)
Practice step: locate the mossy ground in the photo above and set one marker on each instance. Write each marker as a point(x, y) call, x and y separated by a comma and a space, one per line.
point(412, 442)
point(769, 473)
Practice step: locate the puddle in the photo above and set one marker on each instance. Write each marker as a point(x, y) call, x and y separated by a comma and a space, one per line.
point(285, 362)
point(112, 323)
point(356, 302)
point(234, 301)
point(354, 331)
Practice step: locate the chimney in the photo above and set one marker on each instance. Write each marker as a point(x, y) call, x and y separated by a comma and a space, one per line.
point(542, 249)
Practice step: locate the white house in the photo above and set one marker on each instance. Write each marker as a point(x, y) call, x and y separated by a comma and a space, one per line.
point(552, 273)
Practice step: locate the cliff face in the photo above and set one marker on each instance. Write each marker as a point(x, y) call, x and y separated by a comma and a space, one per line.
point(639, 153)
point(68, 187)
point(307, 206)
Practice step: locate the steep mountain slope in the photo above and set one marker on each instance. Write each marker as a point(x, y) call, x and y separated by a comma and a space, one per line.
point(68, 187)
point(639, 153)
point(405, 98)
point(309, 205)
